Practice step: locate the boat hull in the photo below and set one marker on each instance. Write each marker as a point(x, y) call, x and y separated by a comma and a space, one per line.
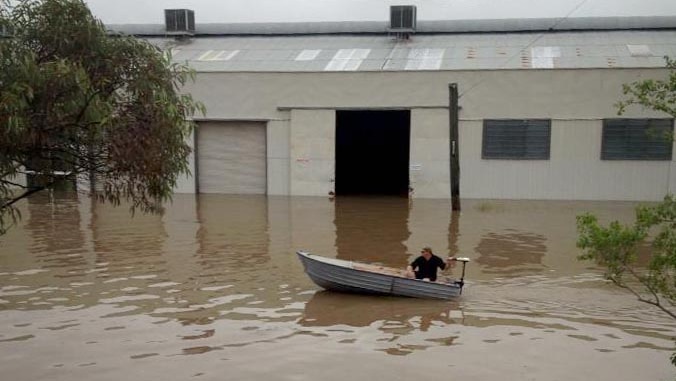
point(337, 275)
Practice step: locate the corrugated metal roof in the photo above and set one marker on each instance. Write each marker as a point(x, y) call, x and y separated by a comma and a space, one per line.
point(565, 50)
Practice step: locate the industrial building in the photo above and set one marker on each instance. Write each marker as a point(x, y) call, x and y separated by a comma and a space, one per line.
point(497, 109)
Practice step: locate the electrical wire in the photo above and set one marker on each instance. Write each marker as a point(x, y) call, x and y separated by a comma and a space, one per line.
point(536, 39)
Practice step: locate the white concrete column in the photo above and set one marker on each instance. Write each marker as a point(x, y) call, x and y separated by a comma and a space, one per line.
point(278, 154)
point(186, 183)
point(312, 152)
point(429, 170)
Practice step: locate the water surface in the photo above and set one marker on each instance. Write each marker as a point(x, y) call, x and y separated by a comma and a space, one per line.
point(212, 289)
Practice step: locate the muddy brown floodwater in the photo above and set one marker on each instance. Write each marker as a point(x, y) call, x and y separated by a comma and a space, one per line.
point(213, 290)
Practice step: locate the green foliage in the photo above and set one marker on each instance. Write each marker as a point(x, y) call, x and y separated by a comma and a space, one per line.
point(659, 95)
point(76, 101)
point(616, 246)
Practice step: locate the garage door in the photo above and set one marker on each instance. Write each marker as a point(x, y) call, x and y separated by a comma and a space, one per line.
point(231, 157)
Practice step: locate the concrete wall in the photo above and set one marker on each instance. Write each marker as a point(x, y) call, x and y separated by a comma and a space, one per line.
point(557, 94)
point(429, 173)
point(279, 157)
point(301, 108)
point(574, 170)
point(186, 183)
point(313, 157)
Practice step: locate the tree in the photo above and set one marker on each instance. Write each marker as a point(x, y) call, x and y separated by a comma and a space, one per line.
point(616, 246)
point(658, 95)
point(77, 102)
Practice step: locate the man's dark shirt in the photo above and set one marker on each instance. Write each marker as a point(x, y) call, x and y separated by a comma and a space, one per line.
point(428, 268)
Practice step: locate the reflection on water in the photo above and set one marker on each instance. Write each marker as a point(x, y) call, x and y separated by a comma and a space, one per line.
point(380, 233)
point(511, 252)
point(51, 236)
point(87, 291)
point(327, 309)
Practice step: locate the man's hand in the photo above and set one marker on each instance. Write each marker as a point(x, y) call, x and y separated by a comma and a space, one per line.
point(451, 261)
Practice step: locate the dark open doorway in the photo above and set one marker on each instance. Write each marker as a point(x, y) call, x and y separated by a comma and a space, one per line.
point(372, 149)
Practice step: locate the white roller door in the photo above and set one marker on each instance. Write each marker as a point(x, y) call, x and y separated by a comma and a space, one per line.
point(231, 157)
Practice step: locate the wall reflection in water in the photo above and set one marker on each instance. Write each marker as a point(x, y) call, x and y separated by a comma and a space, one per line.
point(232, 235)
point(53, 222)
point(511, 253)
point(372, 230)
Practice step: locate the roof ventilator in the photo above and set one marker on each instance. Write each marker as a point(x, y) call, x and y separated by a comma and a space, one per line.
point(179, 22)
point(402, 21)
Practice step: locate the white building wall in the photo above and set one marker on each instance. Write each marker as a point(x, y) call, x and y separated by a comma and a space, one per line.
point(575, 100)
point(574, 171)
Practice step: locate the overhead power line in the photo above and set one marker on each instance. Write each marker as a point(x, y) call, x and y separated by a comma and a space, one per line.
point(536, 39)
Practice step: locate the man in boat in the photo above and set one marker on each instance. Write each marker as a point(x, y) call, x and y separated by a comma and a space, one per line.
point(426, 265)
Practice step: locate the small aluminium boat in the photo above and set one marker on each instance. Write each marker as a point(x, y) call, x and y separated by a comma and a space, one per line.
point(348, 276)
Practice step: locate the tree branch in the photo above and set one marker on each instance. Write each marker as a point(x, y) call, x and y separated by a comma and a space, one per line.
point(12, 183)
point(24, 195)
point(640, 297)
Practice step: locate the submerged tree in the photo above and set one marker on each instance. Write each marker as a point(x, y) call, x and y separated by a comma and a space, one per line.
point(616, 246)
point(79, 102)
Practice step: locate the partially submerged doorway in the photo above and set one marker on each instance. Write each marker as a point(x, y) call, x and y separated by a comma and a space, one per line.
point(372, 152)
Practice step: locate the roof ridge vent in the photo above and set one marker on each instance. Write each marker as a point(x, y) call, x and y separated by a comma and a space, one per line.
point(402, 20)
point(179, 22)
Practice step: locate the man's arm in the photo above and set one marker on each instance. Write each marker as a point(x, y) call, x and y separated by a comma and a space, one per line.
point(410, 269)
point(448, 263)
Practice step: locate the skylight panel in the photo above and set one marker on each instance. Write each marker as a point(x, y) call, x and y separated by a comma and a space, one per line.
point(542, 57)
point(424, 59)
point(218, 55)
point(308, 55)
point(639, 50)
point(347, 60)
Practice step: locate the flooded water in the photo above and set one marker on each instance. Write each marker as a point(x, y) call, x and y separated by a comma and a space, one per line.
point(213, 290)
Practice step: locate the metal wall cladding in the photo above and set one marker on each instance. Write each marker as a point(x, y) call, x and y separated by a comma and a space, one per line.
point(231, 157)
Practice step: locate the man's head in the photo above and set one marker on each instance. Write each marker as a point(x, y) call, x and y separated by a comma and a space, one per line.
point(426, 252)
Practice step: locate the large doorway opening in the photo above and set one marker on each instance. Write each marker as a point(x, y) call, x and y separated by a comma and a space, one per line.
point(372, 150)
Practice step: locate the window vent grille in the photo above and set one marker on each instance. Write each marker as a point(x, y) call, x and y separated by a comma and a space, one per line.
point(637, 139)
